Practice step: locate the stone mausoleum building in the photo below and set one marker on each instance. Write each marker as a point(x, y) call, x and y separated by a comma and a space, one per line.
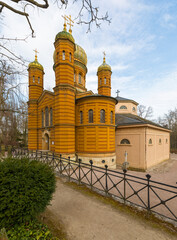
point(145, 142)
point(74, 122)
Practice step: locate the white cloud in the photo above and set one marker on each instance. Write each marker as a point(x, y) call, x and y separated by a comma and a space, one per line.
point(168, 21)
point(125, 40)
point(162, 95)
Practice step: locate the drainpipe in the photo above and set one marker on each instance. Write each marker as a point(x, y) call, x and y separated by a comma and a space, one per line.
point(146, 148)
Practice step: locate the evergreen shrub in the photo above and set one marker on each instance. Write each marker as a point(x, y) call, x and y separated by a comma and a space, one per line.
point(26, 188)
point(30, 230)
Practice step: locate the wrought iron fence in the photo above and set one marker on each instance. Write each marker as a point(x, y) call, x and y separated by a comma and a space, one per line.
point(153, 196)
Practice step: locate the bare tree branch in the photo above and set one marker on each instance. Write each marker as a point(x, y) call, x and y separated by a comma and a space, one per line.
point(87, 8)
point(145, 112)
point(2, 4)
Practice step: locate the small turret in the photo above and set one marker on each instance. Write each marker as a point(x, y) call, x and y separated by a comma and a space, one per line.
point(104, 78)
point(36, 73)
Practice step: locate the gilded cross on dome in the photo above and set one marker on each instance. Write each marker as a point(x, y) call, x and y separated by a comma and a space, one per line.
point(65, 19)
point(70, 23)
point(35, 50)
point(104, 58)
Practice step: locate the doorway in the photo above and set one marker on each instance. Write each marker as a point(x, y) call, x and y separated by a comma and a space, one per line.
point(46, 141)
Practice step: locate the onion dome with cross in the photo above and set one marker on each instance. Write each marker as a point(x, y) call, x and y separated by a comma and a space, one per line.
point(104, 65)
point(64, 34)
point(35, 63)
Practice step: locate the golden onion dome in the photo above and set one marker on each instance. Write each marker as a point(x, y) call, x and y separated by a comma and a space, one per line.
point(104, 66)
point(80, 55)
point(36, 64)
point(64, 35)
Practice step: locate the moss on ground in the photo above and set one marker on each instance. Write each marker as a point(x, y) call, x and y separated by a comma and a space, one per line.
point(57, 229)
point(140, 215)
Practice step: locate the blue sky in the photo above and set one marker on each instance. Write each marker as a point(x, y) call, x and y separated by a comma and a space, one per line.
point(140, 45)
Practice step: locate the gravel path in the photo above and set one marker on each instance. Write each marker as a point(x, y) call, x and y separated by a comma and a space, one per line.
point(86, 217)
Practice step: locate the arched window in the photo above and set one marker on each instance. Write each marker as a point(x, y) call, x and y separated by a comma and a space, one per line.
point(74, 77)
point(70, 57)
point(123, 107)
point(104, 80)
point(134, 109)
point(160, 140)
point(166, 140)
point(63, 55)
point(90, 116)
point(80, 77)
point(150, 141)
point(111, 117)
point(102, 116)
point(42, 118)
point(100, 81)
point(81, 117)
point(46, 117)
point(38, 79)
point(125, 141)
point(33, 78)
point(51, 117)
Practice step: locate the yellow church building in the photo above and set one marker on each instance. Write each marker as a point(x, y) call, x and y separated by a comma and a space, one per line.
point(70, 120)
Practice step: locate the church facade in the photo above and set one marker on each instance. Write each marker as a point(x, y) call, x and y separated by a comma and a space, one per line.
point(70, 120)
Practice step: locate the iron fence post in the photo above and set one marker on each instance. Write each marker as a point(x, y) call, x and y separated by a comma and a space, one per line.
point(53, 160)
point(47, 157)
point(60, 165)
point(80, 171)
point(91, 169)
point(69, 167)
point(124, 184)
point(106, 178)
point(148, 191)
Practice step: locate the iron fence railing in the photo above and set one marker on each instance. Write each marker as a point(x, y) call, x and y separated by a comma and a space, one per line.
point(153, 196)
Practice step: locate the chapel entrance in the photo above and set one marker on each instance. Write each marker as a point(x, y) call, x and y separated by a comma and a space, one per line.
point(46, 141)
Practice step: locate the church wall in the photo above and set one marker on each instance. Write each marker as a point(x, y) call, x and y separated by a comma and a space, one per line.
point(136, 148)
point(65, 120)
point(84, 94)
point(79, 70)
point(32, 125)
point(46, 101)
point(158, 150)
point(129, 106)
point(95, 138)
